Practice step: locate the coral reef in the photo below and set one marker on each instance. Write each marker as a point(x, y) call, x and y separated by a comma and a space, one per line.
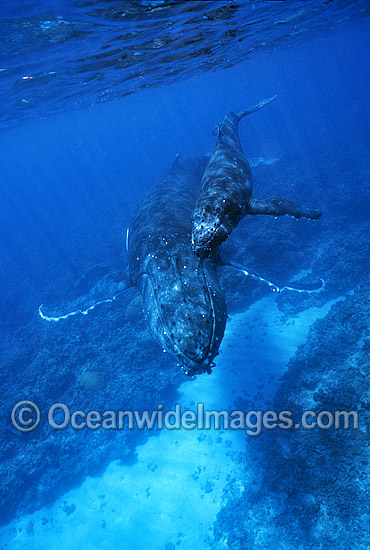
point(311, 481)
point(100, 361)
point(92, 380)
point(308, 489)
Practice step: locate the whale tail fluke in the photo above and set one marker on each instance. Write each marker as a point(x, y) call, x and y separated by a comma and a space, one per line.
point(234, 118)
point(255, 108)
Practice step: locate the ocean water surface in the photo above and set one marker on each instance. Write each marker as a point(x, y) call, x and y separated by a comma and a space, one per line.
point(97, 100)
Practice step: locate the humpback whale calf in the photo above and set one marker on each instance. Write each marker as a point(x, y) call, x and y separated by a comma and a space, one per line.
point(183, 302)
point(226, 190)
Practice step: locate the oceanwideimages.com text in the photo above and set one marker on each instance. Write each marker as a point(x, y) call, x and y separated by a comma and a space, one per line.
point(26, 417)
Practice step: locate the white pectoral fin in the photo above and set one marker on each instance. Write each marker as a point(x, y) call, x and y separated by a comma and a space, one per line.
point(106, 291)
point(127, 237)
point(56, 317)
point(279, 286)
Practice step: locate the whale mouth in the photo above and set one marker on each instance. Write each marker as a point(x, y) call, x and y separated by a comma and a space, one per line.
point(191, 362)
point(194, 347)
point(205, 362)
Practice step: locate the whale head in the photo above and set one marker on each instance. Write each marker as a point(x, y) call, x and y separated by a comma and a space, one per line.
point(184, 308)
point(213, 222)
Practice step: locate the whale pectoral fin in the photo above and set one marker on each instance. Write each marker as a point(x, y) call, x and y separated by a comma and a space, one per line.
point(106, 290)
point(277, 286)
point(276, 206)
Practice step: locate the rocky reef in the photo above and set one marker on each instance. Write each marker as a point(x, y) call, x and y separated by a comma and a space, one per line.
point(299, 486)
point(307, 489)
point(336, 248)
point(106, 360)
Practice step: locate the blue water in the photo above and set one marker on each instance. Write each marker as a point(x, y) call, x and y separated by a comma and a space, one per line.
point(84, 138)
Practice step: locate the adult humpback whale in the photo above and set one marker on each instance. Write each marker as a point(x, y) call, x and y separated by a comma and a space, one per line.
point(183, 302)
point(226, 191)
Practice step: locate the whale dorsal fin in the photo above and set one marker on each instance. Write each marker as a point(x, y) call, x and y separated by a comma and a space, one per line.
point(216, 130)
point(176, 162)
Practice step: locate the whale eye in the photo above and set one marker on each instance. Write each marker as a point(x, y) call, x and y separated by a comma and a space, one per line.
point(208, 209)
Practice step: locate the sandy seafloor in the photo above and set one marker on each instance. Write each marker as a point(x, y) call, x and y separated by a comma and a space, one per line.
point(170, 496)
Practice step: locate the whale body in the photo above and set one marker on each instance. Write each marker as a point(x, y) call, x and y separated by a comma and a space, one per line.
point(226, 190)
point(183, 303)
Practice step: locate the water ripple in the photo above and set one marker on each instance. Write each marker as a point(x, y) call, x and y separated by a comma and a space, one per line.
point(66, 54)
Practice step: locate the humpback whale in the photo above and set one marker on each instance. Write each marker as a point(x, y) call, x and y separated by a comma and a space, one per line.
point(182, 299)
point(183, 302)
point(226, 190)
